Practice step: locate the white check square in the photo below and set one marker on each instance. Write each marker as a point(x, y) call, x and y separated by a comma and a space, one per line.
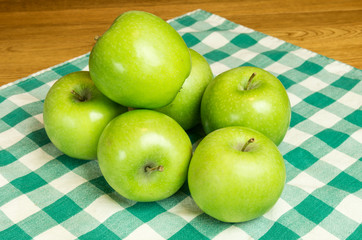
point(23, 99)
point(10, 137)
point(103, 207)
point(187, 209)
point(215, 40)
point(67, 182)
point(325, 118)
point(338, 159)
point(19, 208)
point(306, 182)
point(313, 83)
point(351, 206)
point(35, 159)
point(296, 137)
point(56, 233)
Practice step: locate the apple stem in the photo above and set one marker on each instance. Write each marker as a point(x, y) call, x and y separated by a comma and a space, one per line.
point(78, 96)
point(249, 81)
point(247, 143)
point(96, 37)
point(151, 169)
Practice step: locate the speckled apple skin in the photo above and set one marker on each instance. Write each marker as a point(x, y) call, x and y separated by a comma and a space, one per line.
point(140, 61)
point(265, 107)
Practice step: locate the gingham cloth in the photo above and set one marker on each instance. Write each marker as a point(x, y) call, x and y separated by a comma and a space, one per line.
point(47, 195)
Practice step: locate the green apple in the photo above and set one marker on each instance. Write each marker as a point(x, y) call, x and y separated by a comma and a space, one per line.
point(140, 61)
point(236, 174)
point(250, 97)
point(144, 155)
point(75, 114)
point(185, 108)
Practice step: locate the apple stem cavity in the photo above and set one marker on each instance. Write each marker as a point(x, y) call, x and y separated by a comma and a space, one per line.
point(149, 169)
point(79, 97)
point(249, 81)
point(251, 140)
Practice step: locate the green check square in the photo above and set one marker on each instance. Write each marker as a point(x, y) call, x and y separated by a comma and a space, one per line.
point(14, 170)
point(296, 119)
point(214, 226)
point(102, 184)
point(278, 231)
point(29, 182)
point(69, 162)
point(356, 235)
point(296, 223)
point(300, 158)
point(188, 232)
point(37, 223)
point(190, 39)
point(324, 193)
point(81, 223)
point(186, 21)
point(62, 209)
point(129, 223)
point(332, 137)
point(346, 183)
point(275, 55)
point(16, 117)
point(8, 192)
point(6, 158)
point(14, 231)
point(216, 55)
point(319, 100)
point(173, 222)
point(146, 211)
point(339, 225)
point(243, 40)
point(99, 232)
point(314, 209)
point(39, 137)
point(355, 117)
point(309, 68)
point(65, 69)
point(44, 196)
point(30, 84)
point(345, 83)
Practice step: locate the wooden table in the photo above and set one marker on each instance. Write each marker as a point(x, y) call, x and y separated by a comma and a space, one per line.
point(39, 34)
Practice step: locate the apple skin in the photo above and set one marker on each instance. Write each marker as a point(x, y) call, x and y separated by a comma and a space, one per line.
point(75, 126)
point(233, 185)
point(140, 61)
point(265, 107)
point(139, 139)
point(185, 108)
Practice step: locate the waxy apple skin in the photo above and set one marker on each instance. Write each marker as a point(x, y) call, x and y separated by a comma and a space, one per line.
point(140, 61)
point(75, 126)
point(185, 108)
point(265, 107)
point(139, 139)
point(233, 185)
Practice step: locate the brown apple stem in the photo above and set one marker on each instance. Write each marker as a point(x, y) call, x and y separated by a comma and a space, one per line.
point(151, 169)
point(96, 37)
point(247, 143)
point(78, 96)
point(249, 81)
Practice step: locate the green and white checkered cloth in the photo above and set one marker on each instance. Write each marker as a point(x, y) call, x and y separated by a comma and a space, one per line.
point(47, 195)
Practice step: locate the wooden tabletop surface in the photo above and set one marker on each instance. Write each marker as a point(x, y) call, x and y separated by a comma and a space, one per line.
point(37, 34)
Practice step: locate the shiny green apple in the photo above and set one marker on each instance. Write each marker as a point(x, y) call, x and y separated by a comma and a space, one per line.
point(140, 61)
point(250, 97)
point(144, 155)
point(185, 108)
point(75, 114)
point(236, 174)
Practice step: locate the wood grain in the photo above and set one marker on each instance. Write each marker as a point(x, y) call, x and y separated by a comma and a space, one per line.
point(39, 34)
